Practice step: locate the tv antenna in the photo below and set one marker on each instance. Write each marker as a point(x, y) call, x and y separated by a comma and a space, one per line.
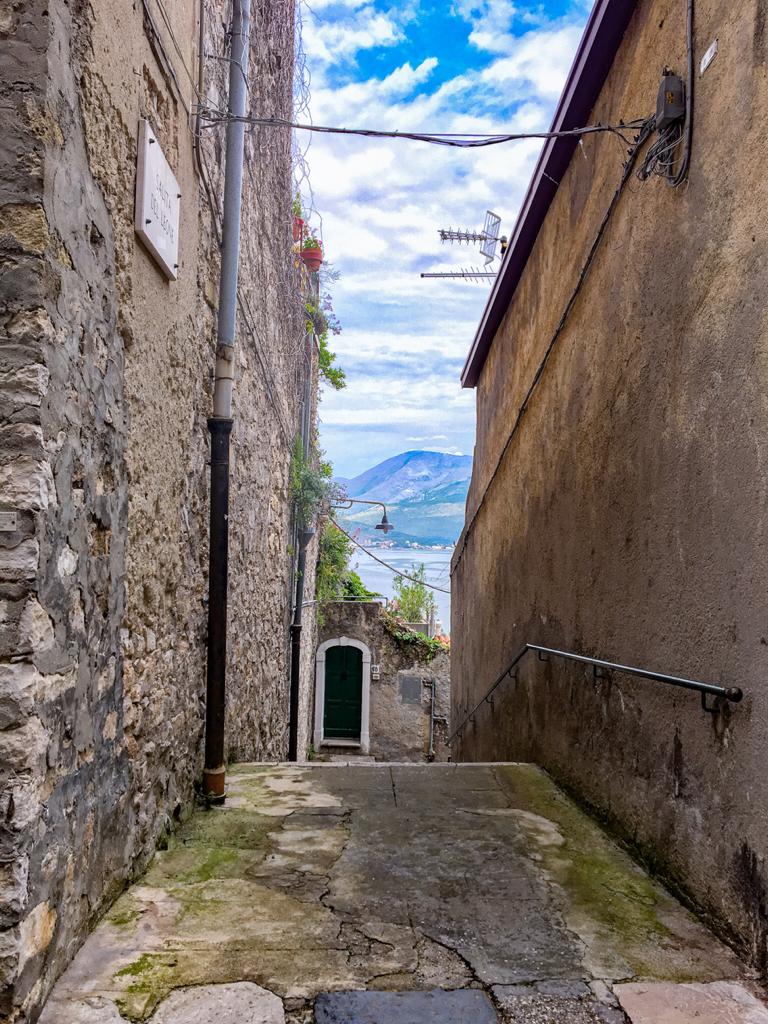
point(465, 274)
point(488, 238)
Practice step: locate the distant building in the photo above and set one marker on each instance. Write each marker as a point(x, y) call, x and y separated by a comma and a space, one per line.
point(618, 498)
point(375, 694)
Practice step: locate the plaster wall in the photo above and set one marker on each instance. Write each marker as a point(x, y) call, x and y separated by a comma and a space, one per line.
point(105, 386)
point(627, 518)
point(399, 731)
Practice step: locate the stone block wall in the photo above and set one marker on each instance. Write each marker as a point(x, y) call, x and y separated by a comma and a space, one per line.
point(399, 731)
point(105, 387)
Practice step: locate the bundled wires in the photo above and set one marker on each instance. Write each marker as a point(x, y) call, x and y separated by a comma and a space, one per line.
point(460, 140)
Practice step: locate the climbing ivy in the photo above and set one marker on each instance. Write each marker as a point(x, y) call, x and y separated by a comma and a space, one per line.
point(323, 321)
point(421, 646)
point(310, 483)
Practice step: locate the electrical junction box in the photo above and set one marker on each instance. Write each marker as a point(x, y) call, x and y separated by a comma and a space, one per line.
point(670, 104)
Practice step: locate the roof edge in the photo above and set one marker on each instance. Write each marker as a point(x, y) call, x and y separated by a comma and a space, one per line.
point(594, 58)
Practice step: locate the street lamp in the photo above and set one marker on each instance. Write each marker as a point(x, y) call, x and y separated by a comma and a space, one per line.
point(344, 503)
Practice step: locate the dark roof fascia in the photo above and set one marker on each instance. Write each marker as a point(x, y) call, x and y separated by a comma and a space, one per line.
point(594, 58)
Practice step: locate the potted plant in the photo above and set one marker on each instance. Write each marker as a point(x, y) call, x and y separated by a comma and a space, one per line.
point(312, 253)
point(298, 218)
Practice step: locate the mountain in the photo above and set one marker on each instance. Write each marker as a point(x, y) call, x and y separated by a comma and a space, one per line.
point(425, 494)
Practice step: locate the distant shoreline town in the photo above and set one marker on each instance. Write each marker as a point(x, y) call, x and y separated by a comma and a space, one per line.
point(367, 542)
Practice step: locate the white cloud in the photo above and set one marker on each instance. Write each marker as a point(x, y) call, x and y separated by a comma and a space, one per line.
point(540, 59)
point(405, 338)
point(333, 40)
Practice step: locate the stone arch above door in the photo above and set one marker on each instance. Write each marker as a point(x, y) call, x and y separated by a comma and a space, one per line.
point(365, 714)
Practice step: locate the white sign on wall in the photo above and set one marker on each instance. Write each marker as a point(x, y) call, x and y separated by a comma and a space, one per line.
point(157, 203)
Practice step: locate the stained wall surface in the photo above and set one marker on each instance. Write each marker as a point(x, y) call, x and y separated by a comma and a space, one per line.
point(105, 386)
point(627, 518)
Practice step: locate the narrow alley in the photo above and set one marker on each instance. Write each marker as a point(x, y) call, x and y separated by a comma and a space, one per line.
point(398, 893)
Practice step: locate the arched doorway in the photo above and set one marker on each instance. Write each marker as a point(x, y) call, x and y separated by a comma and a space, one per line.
point(342, 694)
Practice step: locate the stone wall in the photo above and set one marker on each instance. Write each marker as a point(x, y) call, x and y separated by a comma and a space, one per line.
point(105, 386)
point(399, 731)
point(628, 519)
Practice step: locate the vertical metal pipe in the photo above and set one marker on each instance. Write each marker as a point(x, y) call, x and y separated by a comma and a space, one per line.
point(214, 776)
point(233, 198)
point(304, 535)
point(431, 749)
point(293, 701)
point(220, 424)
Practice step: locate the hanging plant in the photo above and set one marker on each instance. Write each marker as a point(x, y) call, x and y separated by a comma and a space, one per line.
point(299, 222)
point(312, 253)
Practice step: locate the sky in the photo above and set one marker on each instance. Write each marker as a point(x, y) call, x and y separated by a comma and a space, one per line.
point(429, 66)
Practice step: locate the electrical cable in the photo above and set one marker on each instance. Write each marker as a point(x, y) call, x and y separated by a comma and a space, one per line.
point(386, 565)
point(659, 159)
point(460, 140)
point(642, 137)
point(685, 162)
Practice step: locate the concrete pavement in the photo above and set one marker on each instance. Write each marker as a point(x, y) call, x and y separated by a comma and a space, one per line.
point(317, 881)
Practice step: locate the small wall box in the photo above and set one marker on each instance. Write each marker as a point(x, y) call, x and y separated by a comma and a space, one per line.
point(157, 203)
point(375, 671)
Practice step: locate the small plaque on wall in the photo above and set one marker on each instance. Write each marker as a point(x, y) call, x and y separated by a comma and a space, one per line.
point(410, 689)
point(157, 203)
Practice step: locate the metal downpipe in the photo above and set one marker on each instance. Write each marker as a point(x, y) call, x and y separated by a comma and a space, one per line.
point(304, 537)
point(220, 424)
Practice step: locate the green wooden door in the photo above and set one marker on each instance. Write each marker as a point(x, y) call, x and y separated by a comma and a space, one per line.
point(343, 693)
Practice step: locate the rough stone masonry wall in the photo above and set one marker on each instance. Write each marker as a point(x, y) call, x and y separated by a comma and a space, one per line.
point(398, 731)
point(105, 385)
point(629, 519)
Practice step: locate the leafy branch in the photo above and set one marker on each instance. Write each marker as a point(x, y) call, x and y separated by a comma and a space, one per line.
point(322, 319)
point(310, 484)
point(421, 646)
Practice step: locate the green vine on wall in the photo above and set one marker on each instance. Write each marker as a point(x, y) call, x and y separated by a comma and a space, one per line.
point(310, 484)
point(421, 646)
point(323, 321)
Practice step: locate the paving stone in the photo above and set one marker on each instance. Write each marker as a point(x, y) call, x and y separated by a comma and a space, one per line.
point(466, 1006)
point(553, 1002)
point(238, 1003)
point(563, 988)
point(388, 876)
point(719, 1002)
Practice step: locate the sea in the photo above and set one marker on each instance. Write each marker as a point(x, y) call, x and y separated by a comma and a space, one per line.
point(379, 579)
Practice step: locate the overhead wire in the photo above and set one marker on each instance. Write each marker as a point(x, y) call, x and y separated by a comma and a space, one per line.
point(458, 140)
point(386, 565)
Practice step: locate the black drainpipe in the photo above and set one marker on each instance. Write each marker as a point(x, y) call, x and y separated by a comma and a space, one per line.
point(305, 536)
point(215, 769)
point(220, 424)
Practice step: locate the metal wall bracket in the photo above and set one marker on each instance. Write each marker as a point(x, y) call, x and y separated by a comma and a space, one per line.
point(711, 709)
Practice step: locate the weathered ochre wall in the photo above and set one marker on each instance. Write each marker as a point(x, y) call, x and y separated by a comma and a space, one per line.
point(628, 518)
point(105, 386)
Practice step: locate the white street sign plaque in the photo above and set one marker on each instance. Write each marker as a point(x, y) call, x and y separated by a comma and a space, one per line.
point(157, 203)
point(9, 522)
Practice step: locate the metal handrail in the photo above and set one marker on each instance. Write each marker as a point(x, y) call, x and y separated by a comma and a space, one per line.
point(730, 693)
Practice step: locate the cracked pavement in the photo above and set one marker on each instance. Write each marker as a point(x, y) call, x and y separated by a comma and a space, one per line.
point(327, 878)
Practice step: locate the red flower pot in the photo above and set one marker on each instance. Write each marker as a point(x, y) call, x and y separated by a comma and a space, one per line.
point(298, 229)
point(313, 258)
